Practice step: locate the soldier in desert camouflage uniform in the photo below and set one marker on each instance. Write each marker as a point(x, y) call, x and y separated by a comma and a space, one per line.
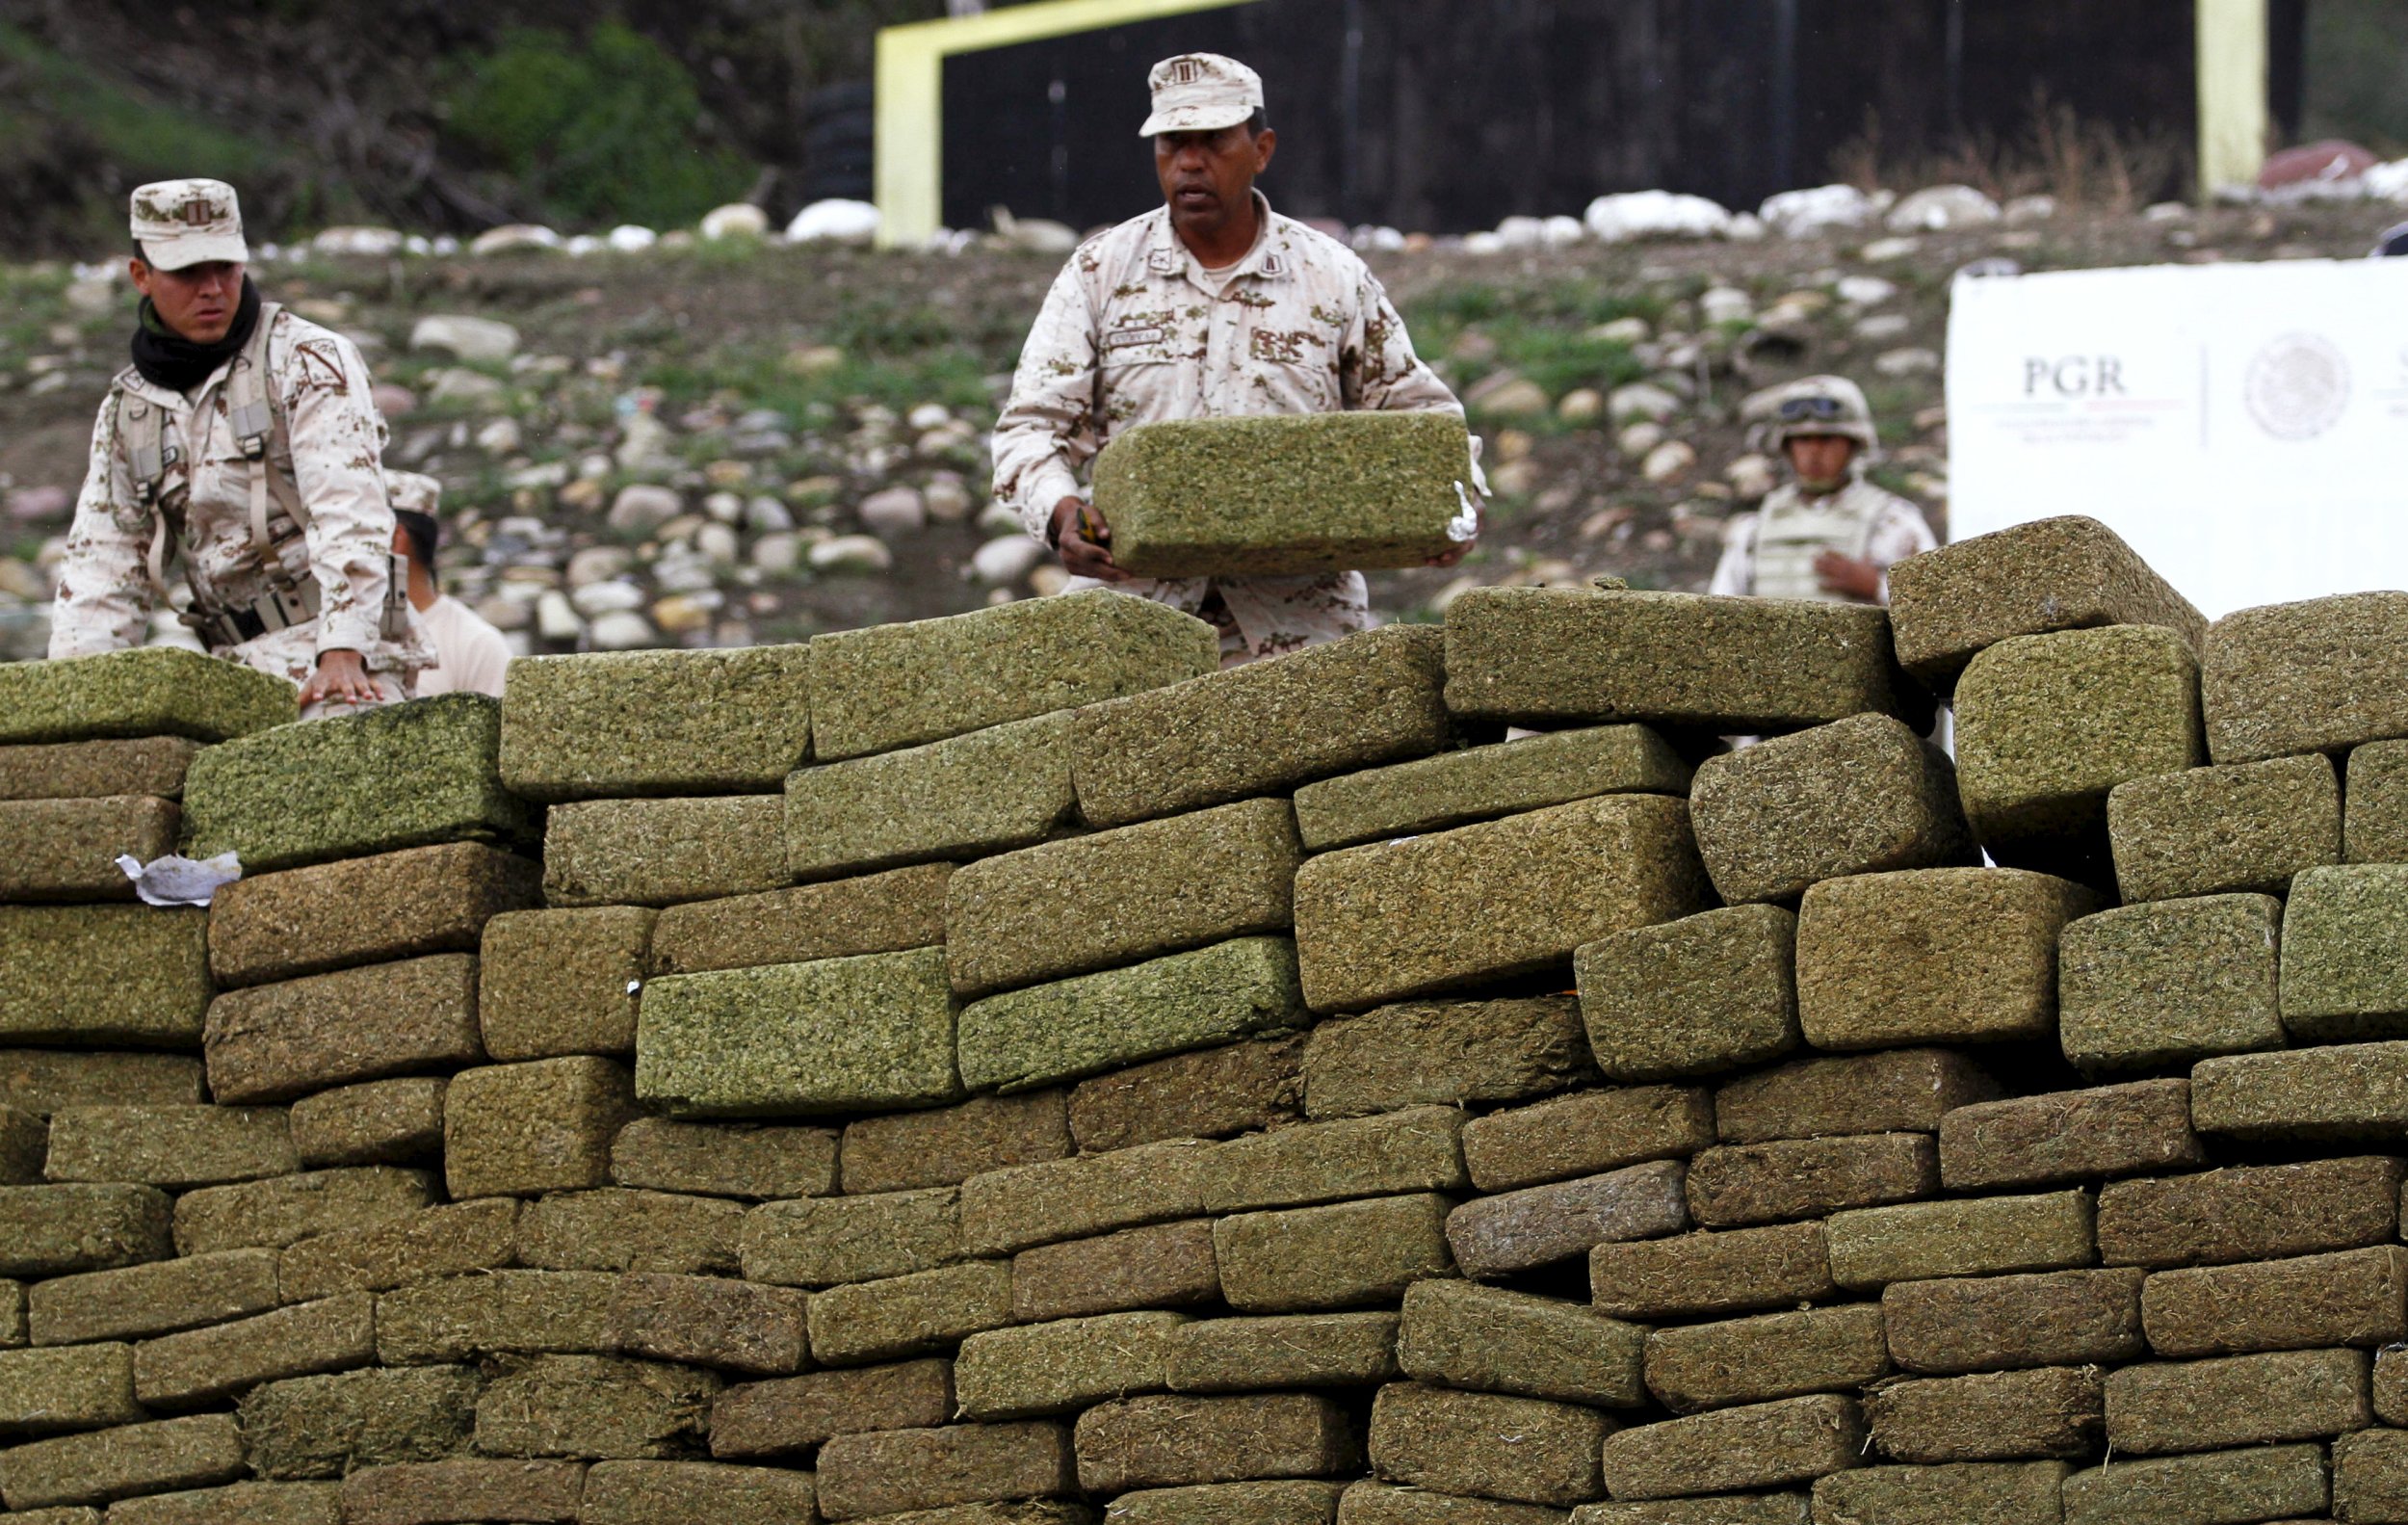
point(246, 440)
point(1828, 534)
point(1212, 305)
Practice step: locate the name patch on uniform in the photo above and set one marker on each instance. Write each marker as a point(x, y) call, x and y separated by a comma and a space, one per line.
point(1122, 338)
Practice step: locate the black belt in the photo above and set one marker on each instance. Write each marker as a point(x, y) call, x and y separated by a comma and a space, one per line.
point(279, 610)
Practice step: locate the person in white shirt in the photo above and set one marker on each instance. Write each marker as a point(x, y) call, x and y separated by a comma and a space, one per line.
point(470, 654)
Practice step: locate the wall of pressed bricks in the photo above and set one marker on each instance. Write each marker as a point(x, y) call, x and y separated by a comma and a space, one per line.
point(1004, 1070)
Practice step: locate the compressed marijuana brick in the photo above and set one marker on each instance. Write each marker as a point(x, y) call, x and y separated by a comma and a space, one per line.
point(655, 723)
point(1286, 496)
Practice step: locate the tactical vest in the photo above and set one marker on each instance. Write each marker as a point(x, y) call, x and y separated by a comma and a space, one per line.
point(278, 511)
point(1794, 528)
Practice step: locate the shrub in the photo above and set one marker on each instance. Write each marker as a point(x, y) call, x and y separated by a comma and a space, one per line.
point(609, 131)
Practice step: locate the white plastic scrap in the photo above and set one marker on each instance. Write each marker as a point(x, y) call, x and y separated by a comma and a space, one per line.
point(173, 881)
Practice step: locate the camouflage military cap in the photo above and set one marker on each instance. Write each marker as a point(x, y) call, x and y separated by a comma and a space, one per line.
point(181, 222)
point(1201, 93)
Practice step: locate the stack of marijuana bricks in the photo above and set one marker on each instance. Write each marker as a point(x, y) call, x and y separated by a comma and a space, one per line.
point(1004, 1070)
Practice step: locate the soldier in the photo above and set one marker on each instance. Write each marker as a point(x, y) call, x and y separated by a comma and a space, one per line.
point(470, 655)
point(244, 440)
point(1830, 535)
point(1211, 306)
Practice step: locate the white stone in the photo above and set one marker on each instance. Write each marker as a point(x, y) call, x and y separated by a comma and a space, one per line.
point(2387, 182)
point(1915, 361)
point(1623, 331)
point(1669, 461)
point(1035, 235)
point(1747, 227)
point(1006, 559)
point(928, 415)
point(1654, 214)
point(1584, 404)
point(513, 238)
point(1641, 400)
point(812, 359)
point(596, 600)
point(1506, 395)
point(1751, 476)
point(454, 384)
point(20, 581)
point(894, 510)
point(91, 297)
point(998, 518)
point(505, 612)
point(629, 237)
point(1725, 304)
point(682, 568)
point(1865, 291)
point(1049, 581)
point(1513, 478)
point(779, 552)
point(835, 220)
point(466, 337)
point(1540, 233)
point(642, 442)
point(500, 438)
point(1881, 326)
point(584, 243)
point(683, 614)
point(1637, 439)
point(851, 553)
point(623, 630)
point(598, 563)
point(1809, 213)
point(2024, 209)
point(947, 498)
point(725, 507)
point(1882, 250)
point(556, 617)
point(363, 243)
point(718, 543)
point(1941, 209)
point(764, 515)
point(736, 220)
point(543, 477)
point(642, 506)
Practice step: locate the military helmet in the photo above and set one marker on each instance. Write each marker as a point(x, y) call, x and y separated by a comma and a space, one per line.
point(1822, 405)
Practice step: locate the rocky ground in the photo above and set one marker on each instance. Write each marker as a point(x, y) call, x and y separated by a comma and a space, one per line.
point(737, 441)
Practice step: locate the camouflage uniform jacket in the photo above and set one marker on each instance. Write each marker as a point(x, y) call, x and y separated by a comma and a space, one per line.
point(1134, 333)
point(330, 445)
point(1894, 529)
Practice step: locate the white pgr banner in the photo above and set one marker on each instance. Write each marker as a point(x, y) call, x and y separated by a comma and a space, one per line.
point(2244, 426)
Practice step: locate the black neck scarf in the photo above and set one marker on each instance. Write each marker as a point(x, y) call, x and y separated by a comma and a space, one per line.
point(167, 359)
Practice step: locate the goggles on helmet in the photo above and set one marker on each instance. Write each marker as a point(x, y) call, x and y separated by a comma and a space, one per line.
point(1797, 409)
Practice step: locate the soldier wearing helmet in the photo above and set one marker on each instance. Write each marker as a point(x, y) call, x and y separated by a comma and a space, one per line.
point(1829, 534)
point(243, 443)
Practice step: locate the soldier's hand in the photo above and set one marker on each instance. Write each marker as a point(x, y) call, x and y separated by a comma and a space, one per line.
point(1085, 542)
point(342, 679)
point(1848, 576)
